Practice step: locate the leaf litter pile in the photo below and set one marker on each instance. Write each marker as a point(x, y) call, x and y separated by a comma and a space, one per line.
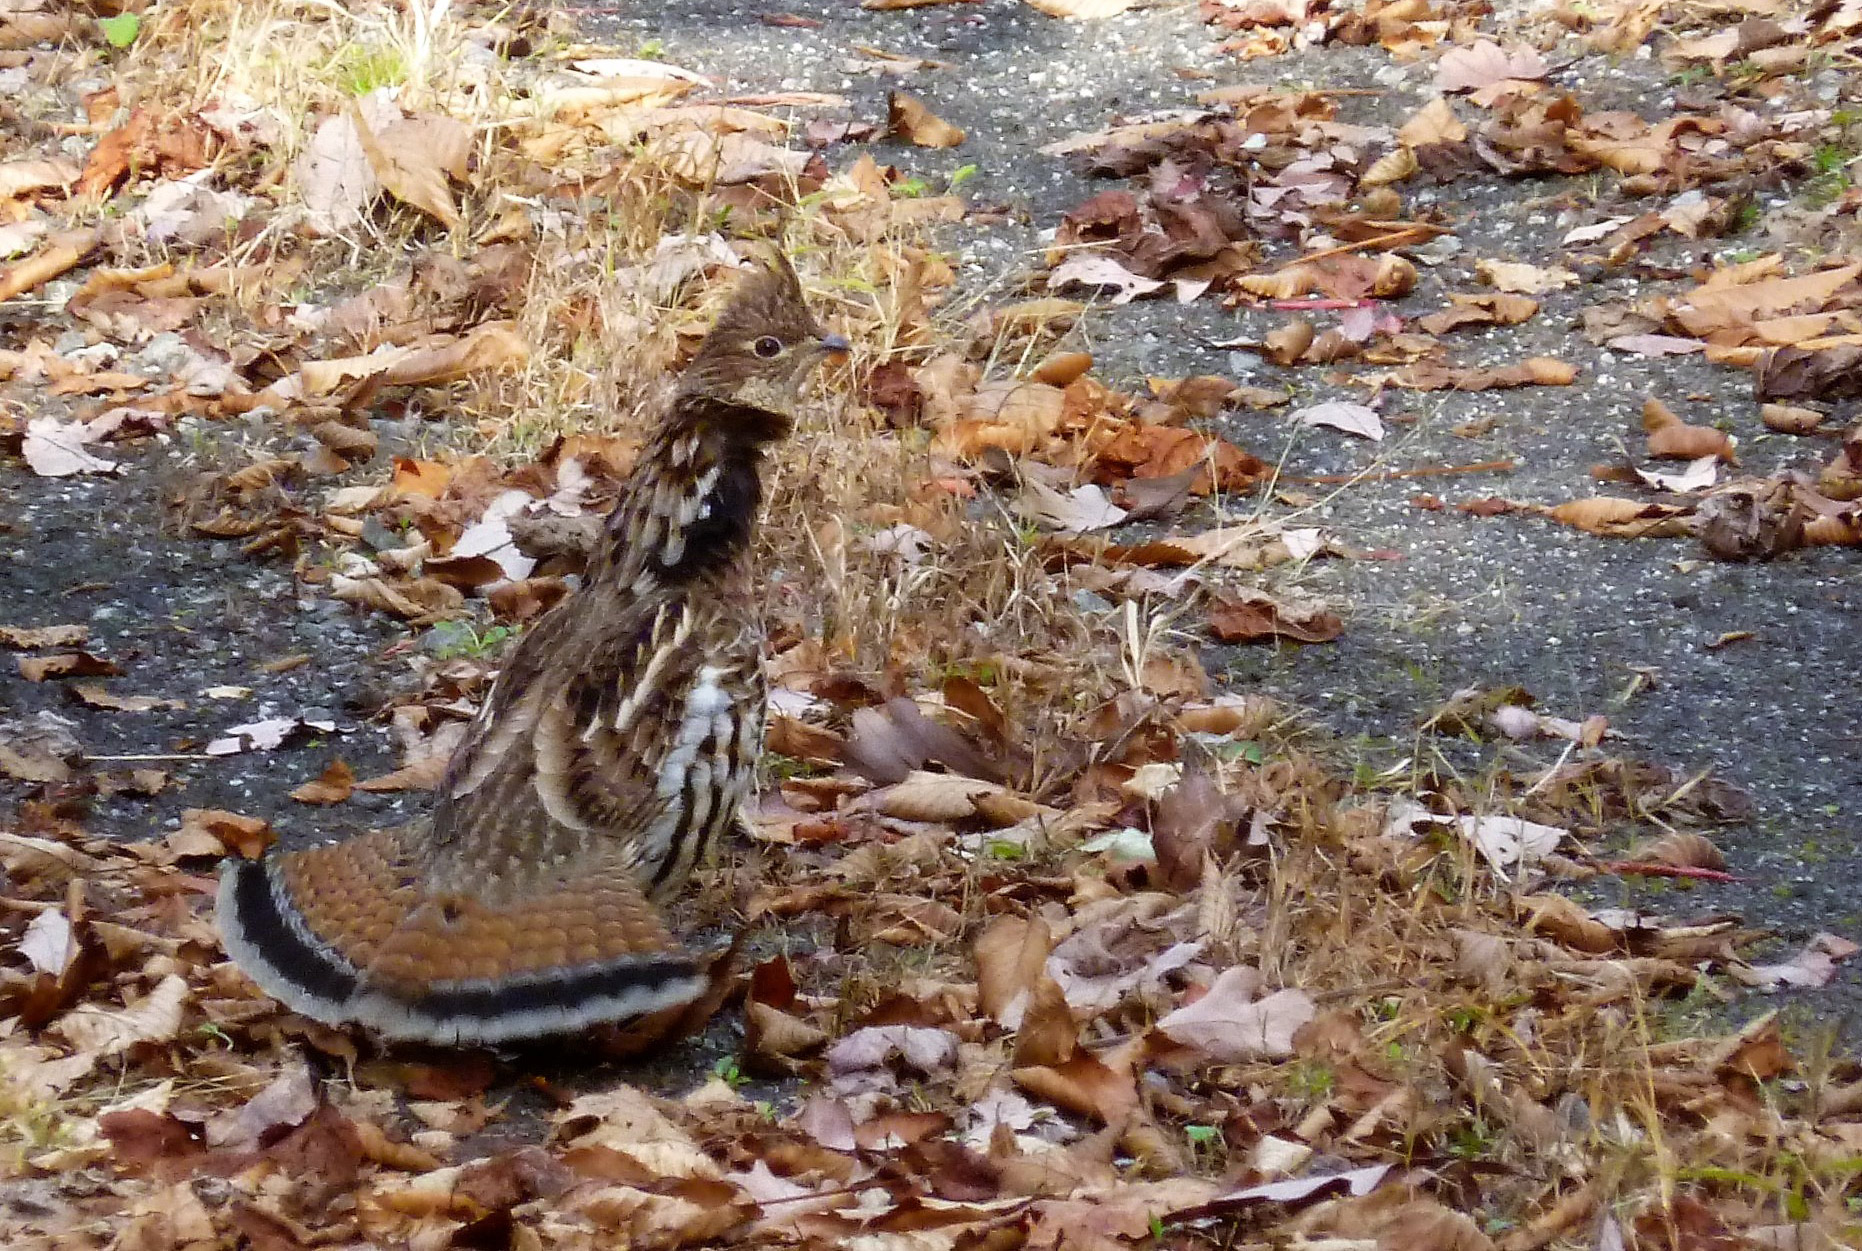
point(1053, 944)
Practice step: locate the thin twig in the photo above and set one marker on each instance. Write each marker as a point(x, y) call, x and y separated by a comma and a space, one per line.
point(1649, 868)
point(1395, 238)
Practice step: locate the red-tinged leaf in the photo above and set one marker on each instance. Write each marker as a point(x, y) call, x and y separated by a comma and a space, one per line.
point(1257, 617)
point(1193, 823)
point(154, 1142)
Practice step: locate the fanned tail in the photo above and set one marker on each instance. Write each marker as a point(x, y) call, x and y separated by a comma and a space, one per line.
point(337, 934)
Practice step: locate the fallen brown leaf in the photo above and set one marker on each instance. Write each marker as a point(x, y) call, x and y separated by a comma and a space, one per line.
point(1256, 617)
point(413, 157)
point(1623, 519)
point(29, 638)
point(332, 786)
point(1232, 1025)
point(911, 119)
point(67, 665)
point(1670, 438)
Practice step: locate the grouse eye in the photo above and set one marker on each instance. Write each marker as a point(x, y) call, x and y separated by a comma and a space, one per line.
point(769, 347)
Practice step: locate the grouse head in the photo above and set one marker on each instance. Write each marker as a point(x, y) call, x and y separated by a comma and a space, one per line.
point(764, 345)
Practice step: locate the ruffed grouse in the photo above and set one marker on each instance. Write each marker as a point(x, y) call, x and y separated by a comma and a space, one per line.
point(616, 743)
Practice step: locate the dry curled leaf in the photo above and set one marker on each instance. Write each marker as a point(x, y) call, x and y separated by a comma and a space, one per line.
point(1670, 438)
point(234, 833)
point(1287, 344)
point(1392, 167)
point(413, 157)
point(334, 176)
point(1682, 850)
point(100, 1031)
point(1257, 617)
point(28, 638)
point(1751, 521)
point(332, 786)
point(1534, 371)
point(911, 119)
point(67, 665)
point(1011, 957)
point(1095, 269)
point(1434, 122)
point(1622, 519)
point(1358, 419)
point(1499, 309)
point(1516, 277)
point(1790, 419)
point(56, 449)
point(1484, 64)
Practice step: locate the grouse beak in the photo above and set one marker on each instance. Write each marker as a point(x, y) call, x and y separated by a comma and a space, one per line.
point(835, 345)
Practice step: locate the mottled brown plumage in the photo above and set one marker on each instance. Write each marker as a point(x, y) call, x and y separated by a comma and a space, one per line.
point(613, 749)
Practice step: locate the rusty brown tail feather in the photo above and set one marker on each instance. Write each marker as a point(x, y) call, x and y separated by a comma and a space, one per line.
point(487, 976)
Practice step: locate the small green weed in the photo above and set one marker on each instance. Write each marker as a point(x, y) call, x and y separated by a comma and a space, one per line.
point(358, 69)
point(1247, 750)
point(1312, 1080)
point(1831, 180)
point(1473, 1140)
point(120, 31)
point(451, 639)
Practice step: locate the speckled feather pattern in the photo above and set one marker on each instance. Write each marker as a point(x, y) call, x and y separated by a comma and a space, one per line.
point(613, 750)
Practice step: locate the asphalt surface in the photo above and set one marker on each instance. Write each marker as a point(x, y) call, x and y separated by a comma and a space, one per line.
point(1506, 601)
